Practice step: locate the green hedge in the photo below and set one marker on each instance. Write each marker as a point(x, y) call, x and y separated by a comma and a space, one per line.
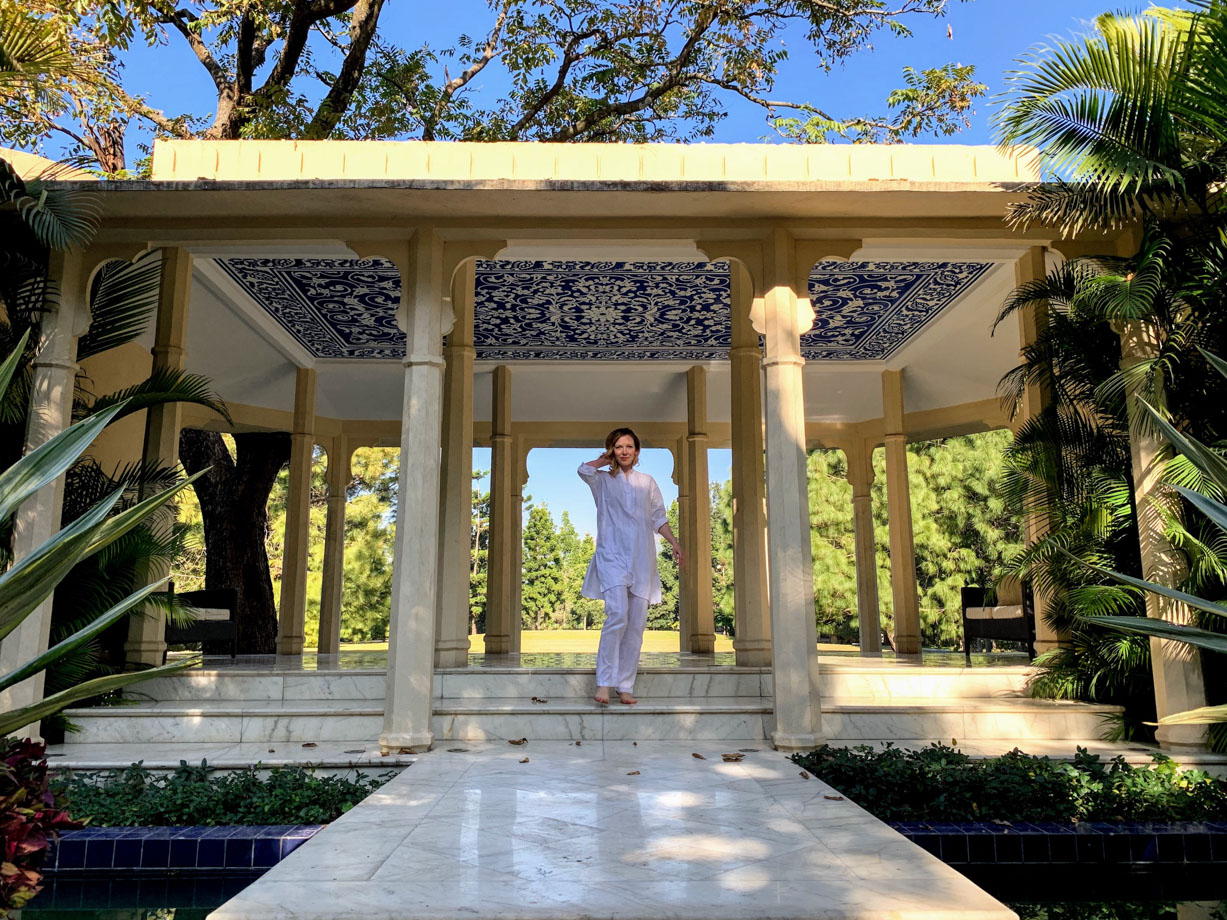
point(191, 795)
point(939, 783)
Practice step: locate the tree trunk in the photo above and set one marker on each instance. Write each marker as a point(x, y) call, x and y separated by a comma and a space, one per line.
point(234, 504)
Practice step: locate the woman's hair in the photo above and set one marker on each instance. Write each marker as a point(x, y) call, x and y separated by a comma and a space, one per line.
point(612, 438)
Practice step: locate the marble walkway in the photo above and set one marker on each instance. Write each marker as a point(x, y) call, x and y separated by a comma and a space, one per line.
point(616, 830)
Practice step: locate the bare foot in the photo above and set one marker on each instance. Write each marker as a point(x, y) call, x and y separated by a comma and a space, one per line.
point(602, 695)
point(627, 698)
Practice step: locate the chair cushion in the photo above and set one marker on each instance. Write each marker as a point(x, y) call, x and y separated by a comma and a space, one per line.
point(1007, 612)
point(211, 613)
point(980, 613)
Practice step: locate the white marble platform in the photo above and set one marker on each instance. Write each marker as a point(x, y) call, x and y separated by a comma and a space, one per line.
point(612, 830)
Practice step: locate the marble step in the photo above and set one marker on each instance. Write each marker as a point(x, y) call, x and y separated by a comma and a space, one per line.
point(836, 681)
point(578, 718)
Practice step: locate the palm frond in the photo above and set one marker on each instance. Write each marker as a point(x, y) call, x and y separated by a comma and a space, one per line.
point(162, 387)
point(123, 302)
point(60, 218)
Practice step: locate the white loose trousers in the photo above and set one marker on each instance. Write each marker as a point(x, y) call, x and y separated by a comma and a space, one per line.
point(617, 656)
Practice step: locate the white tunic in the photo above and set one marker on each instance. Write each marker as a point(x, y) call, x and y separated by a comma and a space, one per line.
point(629, 512)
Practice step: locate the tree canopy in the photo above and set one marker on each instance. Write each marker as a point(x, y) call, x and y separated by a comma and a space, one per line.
point(545, 70)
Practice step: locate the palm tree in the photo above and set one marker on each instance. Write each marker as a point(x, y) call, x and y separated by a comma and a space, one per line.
point(1130, 119)
point(1131, 125)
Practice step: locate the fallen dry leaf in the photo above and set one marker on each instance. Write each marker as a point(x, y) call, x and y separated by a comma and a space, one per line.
point(804, 775)
point(698, 756)
point(517, 741)
point(635, 744)
point(356, 751)
point(733, 758)
point(309, 744)
point(954, 742)
point(272, 750)
point(633, 773)
point(834, 798)
point(748, 750)
point(524, 760)
point(384, 753)
point(579, 743)
point(538, 699)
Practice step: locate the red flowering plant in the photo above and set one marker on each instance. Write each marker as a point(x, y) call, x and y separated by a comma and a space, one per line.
point(31, 816)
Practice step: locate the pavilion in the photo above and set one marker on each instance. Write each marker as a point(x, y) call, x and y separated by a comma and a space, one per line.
point(438, 296)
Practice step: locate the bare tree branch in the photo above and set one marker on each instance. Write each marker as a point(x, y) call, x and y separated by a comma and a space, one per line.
point(674, 77)
point(181, 21)
point(336, 102)
point(451, 87)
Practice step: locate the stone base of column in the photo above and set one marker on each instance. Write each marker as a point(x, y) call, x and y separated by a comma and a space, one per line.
point(1186, 738)
point(498, 645)
point(703, 645)
point(782, 741)
point(145, 653)
point(907, 645)
point(411, 743)
point(452, 654)
point(752, 653)
point(289, 645)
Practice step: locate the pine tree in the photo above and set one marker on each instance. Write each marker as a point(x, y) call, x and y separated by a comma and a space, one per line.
point(542, 593)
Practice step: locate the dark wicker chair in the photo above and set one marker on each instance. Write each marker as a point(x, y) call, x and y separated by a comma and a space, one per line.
point(212, 634)
point(1015, 629)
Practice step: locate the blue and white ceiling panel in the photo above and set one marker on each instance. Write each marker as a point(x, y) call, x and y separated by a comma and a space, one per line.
point(597, 311)
point(594, 311)
point(866, 311)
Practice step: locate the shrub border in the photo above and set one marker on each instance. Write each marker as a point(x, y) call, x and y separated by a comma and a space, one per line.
point(177, 849)
point(1086, 843)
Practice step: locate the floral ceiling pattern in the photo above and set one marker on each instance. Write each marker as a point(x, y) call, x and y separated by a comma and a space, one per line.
point(640, 311)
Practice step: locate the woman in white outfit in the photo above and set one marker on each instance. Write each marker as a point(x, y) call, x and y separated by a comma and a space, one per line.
point(622, 573)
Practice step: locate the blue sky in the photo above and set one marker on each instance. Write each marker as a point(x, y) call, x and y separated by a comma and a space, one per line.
point(990, 34)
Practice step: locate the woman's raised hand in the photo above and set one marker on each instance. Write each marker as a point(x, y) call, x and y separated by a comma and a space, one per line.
point(604, 460)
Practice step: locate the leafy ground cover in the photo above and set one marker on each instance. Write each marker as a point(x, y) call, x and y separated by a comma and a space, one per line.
point(939, 783)
point(196, 795)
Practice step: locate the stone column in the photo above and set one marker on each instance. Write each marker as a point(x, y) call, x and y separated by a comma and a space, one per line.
point(292, 611)
point(697, 530)
point(38, 519)
point(860, 477)
point(798, 715)
point(456, 487)
point(332, 589)
point(681, 478)
point(1031, 320)
point(1176, 666)
point(899, 501)
point(502, 555)
point(752, 613)
point(519, 460)
point(415, 560)
point(146, 642)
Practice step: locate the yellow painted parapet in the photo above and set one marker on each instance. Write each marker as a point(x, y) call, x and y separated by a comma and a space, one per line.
point(188, 161)
point(31, 166)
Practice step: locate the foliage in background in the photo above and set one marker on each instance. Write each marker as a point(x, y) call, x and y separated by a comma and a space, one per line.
point(940, 783)
point(614, 70)
point(964, 536)
point(196, 795)
point(31, 816)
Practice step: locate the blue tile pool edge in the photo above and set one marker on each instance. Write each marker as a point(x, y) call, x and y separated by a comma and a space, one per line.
point(1086, 843)
point(176, 849)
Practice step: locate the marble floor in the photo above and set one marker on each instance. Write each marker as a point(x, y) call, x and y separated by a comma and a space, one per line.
point(613, 830)
point(365, 660)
